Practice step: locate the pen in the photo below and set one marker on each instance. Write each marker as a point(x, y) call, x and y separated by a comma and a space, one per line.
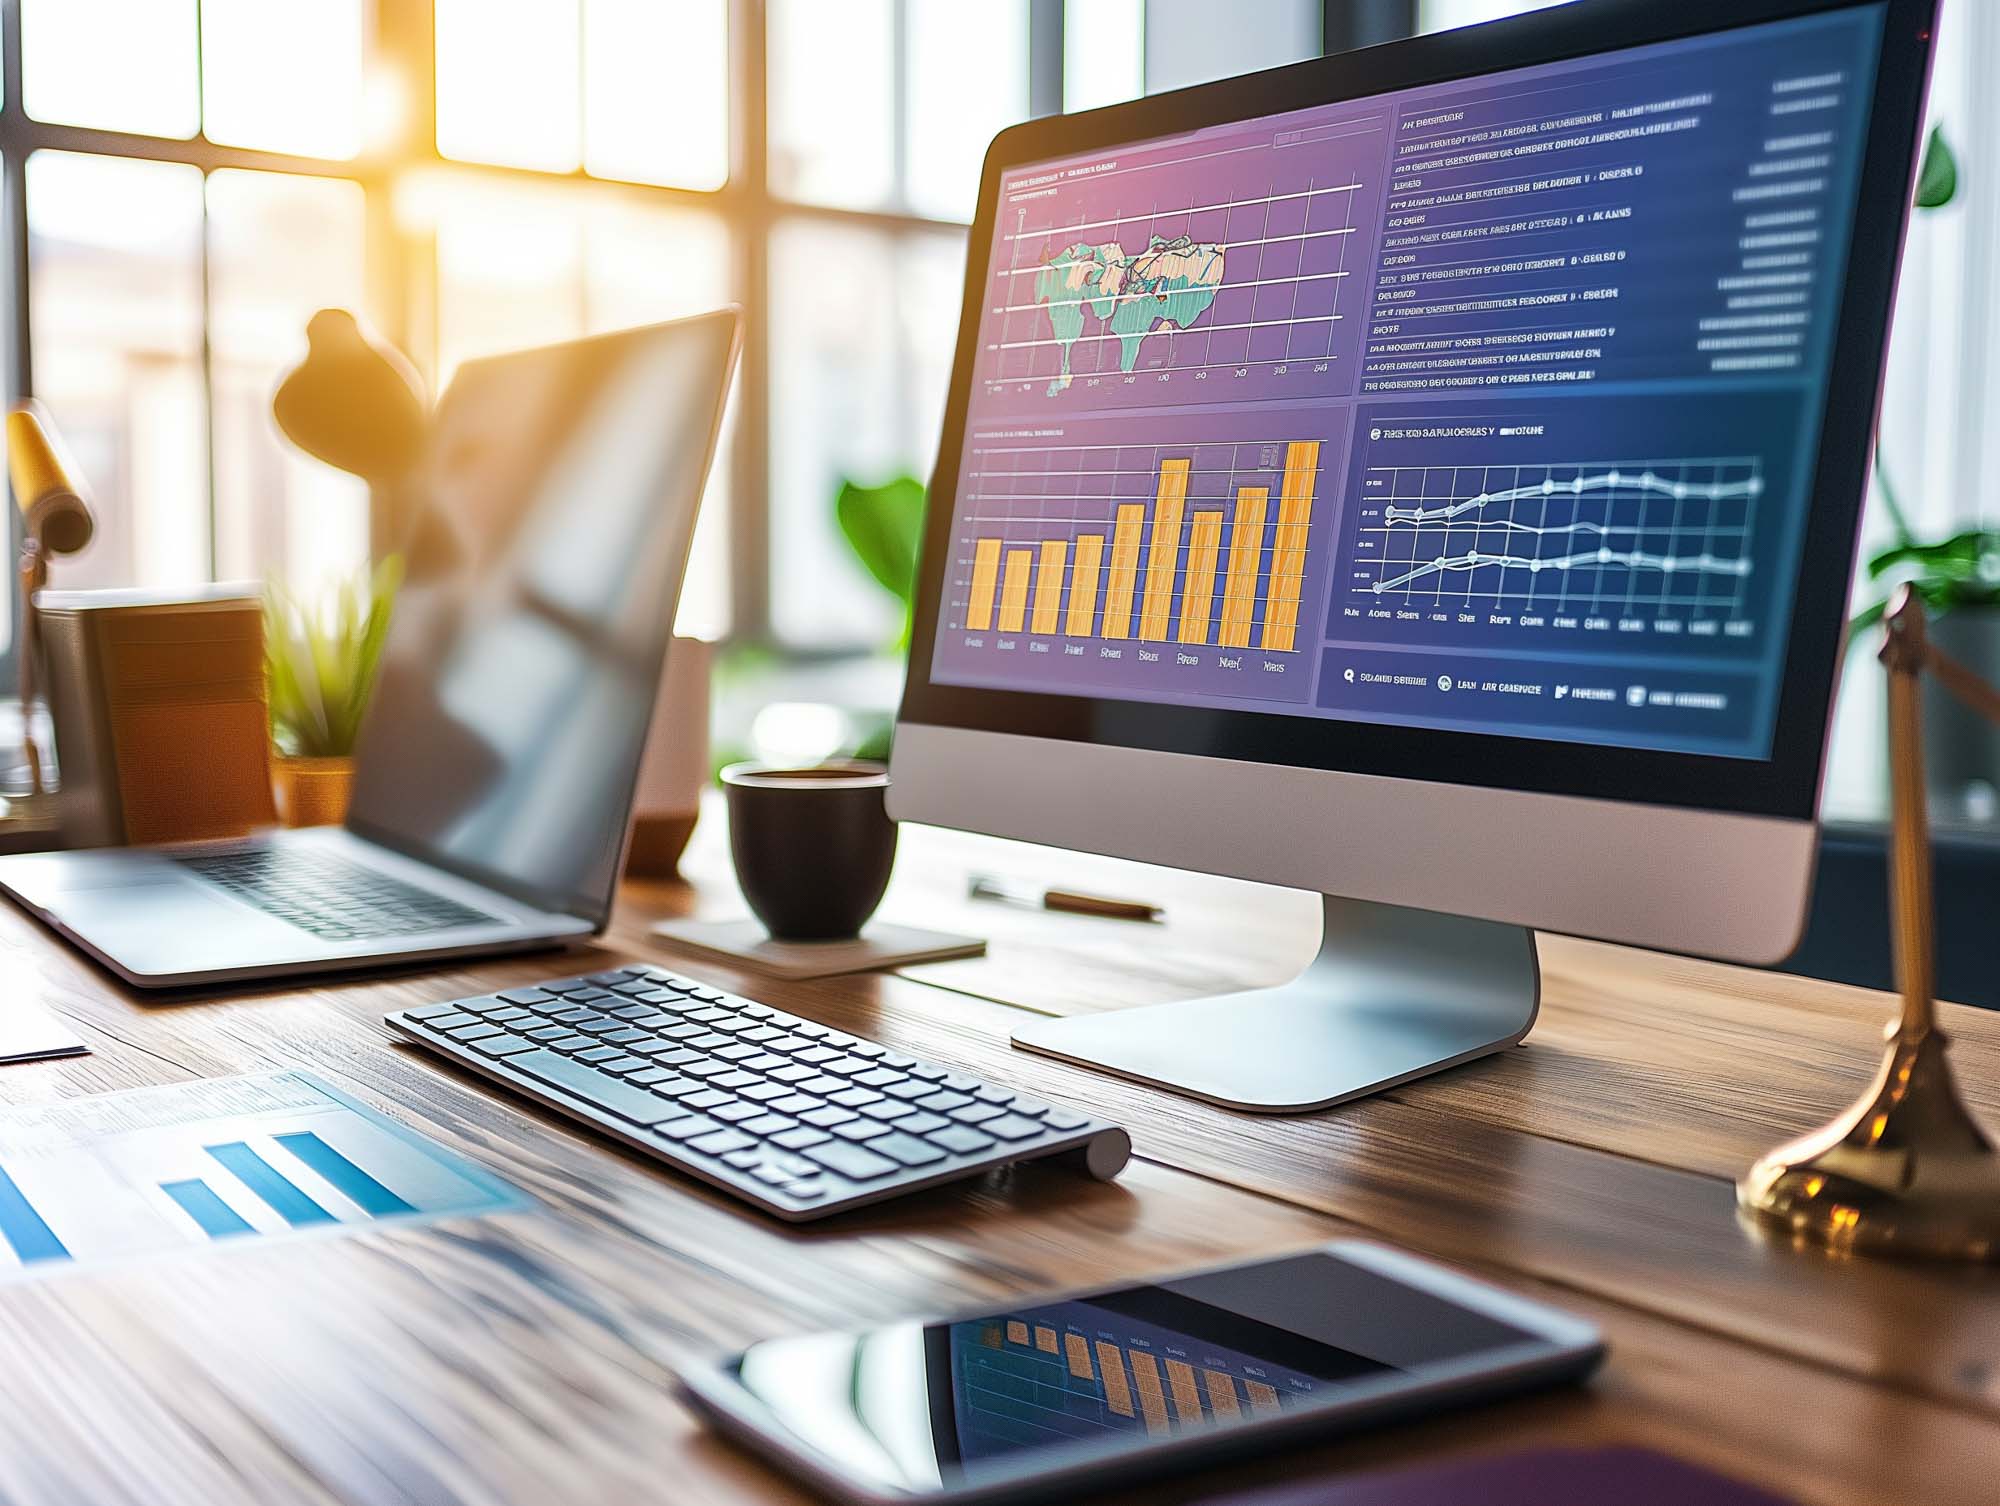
point(1009, 891)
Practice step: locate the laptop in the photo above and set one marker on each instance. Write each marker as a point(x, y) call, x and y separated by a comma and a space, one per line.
point(495, 770)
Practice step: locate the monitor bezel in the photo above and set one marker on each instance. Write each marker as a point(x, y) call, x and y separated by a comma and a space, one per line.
point(1787, 783)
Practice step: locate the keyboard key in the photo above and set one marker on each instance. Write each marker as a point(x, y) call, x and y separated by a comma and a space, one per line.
point(958, 1082)
point(607, 1093)
point(688, 1128)
point(764, 1092)
point(650, 1077)
point(722, 1142)
point(623, 1065)
point(868, 1049)
point(855, 1162)
point(432, 1011)
point(504, 1045)
point(800, 1138)
point(512, 1014)
point(828, 1116)
point(910, 1090)
point(855, 1098)
point(763, 1061)
point(484, 1004)
point(897, 1060)
point(767, 1125)
point(626, 1037)
point(569, 1040)
point(977, 1113)
point(450, 1020)
point(745, 1160)
point(907, 1149)
point(473, 1031)
point(815, 1055)
point(861, 1129)
point(1064, 1119)
point(546, 1032)
point(1028, 1108)
point(736, 1112)
point(957, 1137)
point(526, 996)
point(940, 1103)
point(735, 1080)
point(598, 1054)
point(791, 1074)
point(921, 1124)
point(928, 1072)
point(988, 1093)
point(707, 1099)
point(1012, 1127)
point(888, 1109)
point(881, 1077)
point(736, 1053)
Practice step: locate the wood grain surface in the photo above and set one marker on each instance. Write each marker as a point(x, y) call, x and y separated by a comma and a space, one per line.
point(526, 1357)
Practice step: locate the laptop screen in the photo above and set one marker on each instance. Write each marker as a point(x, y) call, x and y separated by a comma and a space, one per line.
point(542, 578)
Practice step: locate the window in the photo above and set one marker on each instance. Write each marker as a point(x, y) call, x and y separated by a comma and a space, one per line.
point(200, 176)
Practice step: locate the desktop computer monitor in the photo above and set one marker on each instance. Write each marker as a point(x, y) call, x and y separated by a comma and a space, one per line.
point(1429, 476)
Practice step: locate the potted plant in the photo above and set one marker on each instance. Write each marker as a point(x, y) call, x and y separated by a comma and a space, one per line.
point(1958, 578)
point(321, 656)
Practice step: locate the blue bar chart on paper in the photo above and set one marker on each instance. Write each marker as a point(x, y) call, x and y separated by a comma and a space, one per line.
point(123, 1175)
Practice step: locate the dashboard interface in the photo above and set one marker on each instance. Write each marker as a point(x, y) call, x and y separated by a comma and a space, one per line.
point(1490, 405)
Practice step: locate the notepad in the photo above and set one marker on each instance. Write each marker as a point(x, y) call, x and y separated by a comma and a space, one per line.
point(200, 1165)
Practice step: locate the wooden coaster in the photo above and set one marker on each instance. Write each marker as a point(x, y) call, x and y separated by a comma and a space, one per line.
point(880, 946)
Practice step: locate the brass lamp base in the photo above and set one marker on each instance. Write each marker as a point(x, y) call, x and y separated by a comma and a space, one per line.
point(1906, 1171)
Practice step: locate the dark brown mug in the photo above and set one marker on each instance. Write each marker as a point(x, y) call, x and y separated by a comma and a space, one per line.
point(813, 846)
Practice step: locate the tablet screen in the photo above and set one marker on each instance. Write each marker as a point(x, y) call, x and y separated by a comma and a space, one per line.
point(921, 1407)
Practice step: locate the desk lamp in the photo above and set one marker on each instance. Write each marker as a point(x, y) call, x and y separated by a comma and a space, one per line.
point(55, 519)
point(1907, 1170)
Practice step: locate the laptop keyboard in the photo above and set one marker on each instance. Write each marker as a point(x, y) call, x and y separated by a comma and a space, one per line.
point(798, 1118)
point(329, 896)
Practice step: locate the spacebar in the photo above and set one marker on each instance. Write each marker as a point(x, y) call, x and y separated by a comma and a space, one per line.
point(606, 1093)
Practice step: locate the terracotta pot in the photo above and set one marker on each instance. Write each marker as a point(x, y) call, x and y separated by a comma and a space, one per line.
point(312, 791)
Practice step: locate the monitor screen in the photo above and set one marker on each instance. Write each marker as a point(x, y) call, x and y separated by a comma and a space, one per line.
point(518, 678)
point(1490, 406)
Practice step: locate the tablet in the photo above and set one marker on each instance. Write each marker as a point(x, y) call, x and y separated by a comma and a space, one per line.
point(1052, 1394)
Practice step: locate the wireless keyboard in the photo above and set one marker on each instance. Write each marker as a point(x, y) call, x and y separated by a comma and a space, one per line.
point(799, 1119)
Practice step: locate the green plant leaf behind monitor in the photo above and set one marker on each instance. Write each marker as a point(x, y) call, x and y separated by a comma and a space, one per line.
point(884, 526)
point(1937, 183)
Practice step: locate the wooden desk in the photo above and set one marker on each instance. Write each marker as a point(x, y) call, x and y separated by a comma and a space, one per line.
point(524, 1358)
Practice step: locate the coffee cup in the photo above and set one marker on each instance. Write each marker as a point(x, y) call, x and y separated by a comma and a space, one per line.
point(812, 846)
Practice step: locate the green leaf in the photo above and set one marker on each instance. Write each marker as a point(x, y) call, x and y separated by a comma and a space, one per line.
point(321, 658)
point(1937, 181)
point(884, 526)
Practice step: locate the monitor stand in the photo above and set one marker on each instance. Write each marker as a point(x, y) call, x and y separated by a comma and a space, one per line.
point(1393, 994)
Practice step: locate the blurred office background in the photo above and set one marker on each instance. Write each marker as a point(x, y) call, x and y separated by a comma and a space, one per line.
point(187, 180)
